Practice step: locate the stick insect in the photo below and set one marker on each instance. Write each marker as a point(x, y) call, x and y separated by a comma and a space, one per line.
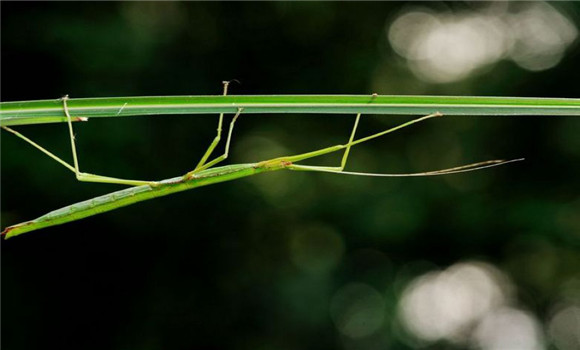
point(205, 173)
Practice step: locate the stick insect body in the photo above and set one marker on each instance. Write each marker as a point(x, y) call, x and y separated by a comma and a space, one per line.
point(204, 173)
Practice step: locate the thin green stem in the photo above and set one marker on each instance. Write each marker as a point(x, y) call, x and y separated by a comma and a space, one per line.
point(51, 111)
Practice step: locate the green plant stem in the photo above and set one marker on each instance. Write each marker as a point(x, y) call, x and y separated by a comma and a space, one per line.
point(51, 111)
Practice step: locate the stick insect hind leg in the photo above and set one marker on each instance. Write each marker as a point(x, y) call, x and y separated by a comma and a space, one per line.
point(85, 177)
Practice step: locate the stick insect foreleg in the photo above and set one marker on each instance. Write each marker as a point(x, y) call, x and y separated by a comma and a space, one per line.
point(340, 170)
point(347, 147)
point(344, 156)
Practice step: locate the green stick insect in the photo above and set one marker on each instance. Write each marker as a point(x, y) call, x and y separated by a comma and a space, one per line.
point(205, 173)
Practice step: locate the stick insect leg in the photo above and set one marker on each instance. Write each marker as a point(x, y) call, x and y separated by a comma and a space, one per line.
point(190, 174)
point(216, 140)
point(344, 156)
point(340, 170)
point(93, 178)
point(86, 177)
point(40, 148)
point(346, 146)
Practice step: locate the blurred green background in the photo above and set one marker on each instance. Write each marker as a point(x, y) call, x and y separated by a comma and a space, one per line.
point(488, 259)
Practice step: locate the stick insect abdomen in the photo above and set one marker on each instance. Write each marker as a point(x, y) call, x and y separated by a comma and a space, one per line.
point(132, 195)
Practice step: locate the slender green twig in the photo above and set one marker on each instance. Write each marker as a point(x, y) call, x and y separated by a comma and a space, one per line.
point(50, 111)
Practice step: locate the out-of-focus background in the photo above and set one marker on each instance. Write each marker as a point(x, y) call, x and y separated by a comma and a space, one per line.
point(484, 260)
